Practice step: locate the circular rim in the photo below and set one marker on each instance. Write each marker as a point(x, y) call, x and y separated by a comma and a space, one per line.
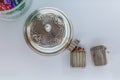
point(28, 22)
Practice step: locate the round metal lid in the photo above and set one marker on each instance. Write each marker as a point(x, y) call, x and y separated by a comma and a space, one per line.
point(48, 31)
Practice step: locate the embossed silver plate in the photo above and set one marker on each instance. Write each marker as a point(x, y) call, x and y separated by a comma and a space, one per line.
point(78, 57)
point(48, 31)
point(98, 54)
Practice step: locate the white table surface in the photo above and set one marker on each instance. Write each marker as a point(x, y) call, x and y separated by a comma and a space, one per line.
point(95, 22)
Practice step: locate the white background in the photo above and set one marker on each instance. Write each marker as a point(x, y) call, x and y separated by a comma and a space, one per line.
point(95, 22)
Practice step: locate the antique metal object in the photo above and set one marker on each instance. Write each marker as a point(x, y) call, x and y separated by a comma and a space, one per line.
point(78, 57)
point(98, 54)
point(73, 44)
point(48, 31)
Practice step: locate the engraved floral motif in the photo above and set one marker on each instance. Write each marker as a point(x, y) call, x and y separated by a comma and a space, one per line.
point(48, 30)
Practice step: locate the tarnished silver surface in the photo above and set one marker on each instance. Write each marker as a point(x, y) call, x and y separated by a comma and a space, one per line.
point(78, 57)
point(73, 44)
point(48, 31)
point(98, 54)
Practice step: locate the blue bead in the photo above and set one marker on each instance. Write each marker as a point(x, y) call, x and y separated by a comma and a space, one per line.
point(7, 1)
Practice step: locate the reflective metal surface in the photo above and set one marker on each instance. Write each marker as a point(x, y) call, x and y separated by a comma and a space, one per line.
point(48, 31)
point(98, 54)
point(78, 57)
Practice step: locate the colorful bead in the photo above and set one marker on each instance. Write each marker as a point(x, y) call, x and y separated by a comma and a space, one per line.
point(7, 1)
point(8, 4)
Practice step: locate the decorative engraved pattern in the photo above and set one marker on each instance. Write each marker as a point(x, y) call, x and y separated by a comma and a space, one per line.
point(48, 30)
point(99, 55)
point(78, 57)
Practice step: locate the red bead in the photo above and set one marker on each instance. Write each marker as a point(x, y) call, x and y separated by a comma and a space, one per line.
point(7, 7)
point(1, 7)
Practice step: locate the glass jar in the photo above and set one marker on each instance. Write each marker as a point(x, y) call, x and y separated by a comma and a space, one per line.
point(16, 11)
point(48, 31)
